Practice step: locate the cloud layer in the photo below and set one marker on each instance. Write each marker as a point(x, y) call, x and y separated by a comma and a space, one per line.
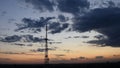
point(56, 27)
point(37, 25)
point(42, 49)
point(24, 38)
point(102, 20)
point(72, 6)
point(69, 6)
point(32, 24)
point(41, 5)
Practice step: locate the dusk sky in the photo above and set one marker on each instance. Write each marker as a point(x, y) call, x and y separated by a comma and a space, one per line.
point(79, 31)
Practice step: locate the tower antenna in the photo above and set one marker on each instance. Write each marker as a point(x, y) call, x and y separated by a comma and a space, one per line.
point(46, 47)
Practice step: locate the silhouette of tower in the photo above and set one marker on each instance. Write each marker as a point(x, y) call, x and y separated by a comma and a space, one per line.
point(46, 48)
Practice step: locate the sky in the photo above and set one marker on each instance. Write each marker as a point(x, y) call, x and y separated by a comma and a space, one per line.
point(79, 31)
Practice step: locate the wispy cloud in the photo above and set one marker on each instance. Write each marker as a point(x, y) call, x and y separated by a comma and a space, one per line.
point(59, 55)
point(42, 49)
point(11, 53)
point(41, 5)
point(3, 13)
point(5, 59)
point(18, 53)
point(99, 57)
point(116, 55)
point(79, 58)
point(24, 38)
point(20, 44)
point(71, 37)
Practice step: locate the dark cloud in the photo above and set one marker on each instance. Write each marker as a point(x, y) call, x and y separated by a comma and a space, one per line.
point(38, 50)
point(13, 38)
point(30, 38)
point(54, 42)
point(32, 24)
point(84, 36)
point(79, 58)
point(109, 4)
point(17, 53)
point(41, 5)
point(72, 6)
point(76, 36)
point(56, 27)
point(82, 57)
point(11, 53)
point(103, 20)
point(62, 18)
point(99, 57)
point(68, 37)
point(69, 6)
point(37, 25)
point(25, 38)
point(42, 49)
point(100, 37)
point(19, 44)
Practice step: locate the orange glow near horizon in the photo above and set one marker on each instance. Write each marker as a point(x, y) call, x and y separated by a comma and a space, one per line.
point(89, 54)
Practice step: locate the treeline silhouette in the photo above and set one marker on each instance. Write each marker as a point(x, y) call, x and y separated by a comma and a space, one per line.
point(62, 65)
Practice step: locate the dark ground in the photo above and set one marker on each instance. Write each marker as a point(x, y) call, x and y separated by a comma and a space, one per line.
point(88, 65)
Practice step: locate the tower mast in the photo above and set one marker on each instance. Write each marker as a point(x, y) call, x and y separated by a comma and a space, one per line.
point(46, 48)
